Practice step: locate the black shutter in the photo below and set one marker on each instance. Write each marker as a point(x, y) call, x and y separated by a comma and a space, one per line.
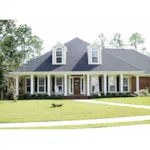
point(35, 84)
point(53, 84)
point(107, 83)
point(100, 83)
point(46, 83)
point(118, 83)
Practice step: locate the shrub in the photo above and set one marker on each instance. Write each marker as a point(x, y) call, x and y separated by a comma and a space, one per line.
point(15, 98)
point(95, 96)
point(144, 92)
point(26, 96)
point(33, 96)
point(102, 94)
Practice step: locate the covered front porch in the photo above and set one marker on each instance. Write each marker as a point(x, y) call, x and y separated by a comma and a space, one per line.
point(73, 84)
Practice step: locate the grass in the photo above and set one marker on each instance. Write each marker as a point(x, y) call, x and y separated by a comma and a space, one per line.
point(126, 100)
point(87, 126)
point(40, 110)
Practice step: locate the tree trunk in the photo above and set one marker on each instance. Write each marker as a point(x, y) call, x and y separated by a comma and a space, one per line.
point(2, 95)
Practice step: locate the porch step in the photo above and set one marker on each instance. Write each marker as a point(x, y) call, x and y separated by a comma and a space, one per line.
point(77, 97)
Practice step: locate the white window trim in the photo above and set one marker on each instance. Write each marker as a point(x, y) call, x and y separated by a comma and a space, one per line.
point(82, 91)
point(91, 83)
point(44, 84)
point(26, 84)
point(59, 56)
point(90, 47)
point(114, 85)
point(97, 55)
point(127, 77)
point(71, 92)
point(64, 53)
point(62, 84)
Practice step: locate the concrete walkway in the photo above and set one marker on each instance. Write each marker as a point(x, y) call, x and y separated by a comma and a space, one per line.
point(76, 122)
point(112, 103)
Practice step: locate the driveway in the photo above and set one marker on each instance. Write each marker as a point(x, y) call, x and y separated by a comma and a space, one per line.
point(112, 103)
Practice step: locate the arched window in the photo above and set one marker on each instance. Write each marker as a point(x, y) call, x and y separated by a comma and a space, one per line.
point(94, 55)
point(59, 55)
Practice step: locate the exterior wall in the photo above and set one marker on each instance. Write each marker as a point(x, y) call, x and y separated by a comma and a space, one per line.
point(143, 83)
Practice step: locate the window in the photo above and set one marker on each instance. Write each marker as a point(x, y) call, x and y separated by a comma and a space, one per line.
point(59, 55)
point(94, 84)
point(28, 85)
point(41, 84)
point(125, 84)
point(112, 83)
point(82, 85)
point(71, 85)
point(59, 85)
point(94, 55)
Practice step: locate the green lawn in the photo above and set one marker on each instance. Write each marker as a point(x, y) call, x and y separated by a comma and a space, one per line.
point(127, 100)
point(40, 110)
point(87, 126)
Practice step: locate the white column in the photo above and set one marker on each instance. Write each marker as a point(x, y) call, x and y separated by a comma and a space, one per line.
point(32, 84)
point(48, 85)
point(84, 83)
point(17, 85)
point(121, 83)
point(105, 84)
point(65, 80)
point(88, 85)
point(137, 84)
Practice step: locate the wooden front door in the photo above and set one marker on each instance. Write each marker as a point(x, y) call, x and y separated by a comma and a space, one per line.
point(76, 86)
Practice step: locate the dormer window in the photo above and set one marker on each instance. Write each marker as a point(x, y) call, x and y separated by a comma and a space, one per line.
point(94, 54)
point(59, 53)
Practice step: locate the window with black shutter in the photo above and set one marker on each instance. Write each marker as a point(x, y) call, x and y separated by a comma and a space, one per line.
point(46, 84)
point(118, 82)
point(107, 83)
point(100, 83)
point(53, 84)
point(35, 84)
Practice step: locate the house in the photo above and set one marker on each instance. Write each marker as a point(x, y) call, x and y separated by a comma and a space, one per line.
point(80, 68)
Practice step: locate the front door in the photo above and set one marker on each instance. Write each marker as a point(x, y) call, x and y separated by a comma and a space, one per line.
point(76, 86)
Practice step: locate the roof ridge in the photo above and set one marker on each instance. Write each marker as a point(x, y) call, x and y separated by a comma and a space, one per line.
point(124, 60)
point(77, 39)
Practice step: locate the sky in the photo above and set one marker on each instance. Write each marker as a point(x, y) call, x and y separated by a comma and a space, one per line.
point(63, 20)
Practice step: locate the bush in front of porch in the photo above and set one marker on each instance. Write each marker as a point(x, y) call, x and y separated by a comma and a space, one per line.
point(46, 96)
point(111, 95)
point(39, 96)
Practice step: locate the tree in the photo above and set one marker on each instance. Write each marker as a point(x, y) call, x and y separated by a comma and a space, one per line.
point(102, 40)
point(17, 46)
point(135, 40)
point(117, 42)
point(144, 50)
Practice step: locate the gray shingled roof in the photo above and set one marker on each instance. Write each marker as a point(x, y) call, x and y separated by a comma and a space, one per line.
point(133, 57)
point(112, 60)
